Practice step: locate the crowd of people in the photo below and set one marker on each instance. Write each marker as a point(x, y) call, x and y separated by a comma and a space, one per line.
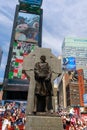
point(12, 116)
point(72, 120)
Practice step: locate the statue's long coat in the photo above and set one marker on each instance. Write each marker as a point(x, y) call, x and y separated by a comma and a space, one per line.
point(43, 86)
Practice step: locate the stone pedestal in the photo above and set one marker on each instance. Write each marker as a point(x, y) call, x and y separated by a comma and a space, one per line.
point(40, 122)
point(43, 123)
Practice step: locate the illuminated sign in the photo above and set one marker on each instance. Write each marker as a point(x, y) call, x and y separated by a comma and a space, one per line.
point(32, 2)
point(20, 49)
point(27, 28)
point(69, 63)
point(26, 35)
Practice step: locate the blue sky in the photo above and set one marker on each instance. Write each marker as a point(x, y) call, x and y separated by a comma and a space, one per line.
point(61, 18)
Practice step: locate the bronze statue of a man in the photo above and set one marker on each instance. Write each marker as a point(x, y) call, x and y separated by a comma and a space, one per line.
point(43, 85)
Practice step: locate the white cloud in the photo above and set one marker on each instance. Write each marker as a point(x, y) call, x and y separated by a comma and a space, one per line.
point(2, 66)
point(8, 3)
point(5, 20)
point(50, 41)
point(63, 18)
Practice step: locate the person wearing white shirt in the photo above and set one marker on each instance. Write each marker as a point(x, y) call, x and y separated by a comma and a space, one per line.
point(6, 123)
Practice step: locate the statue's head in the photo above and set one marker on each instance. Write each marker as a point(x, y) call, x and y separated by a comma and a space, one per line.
point(43, 58)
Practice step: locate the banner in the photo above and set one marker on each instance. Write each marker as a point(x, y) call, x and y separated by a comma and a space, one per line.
point(81, 86)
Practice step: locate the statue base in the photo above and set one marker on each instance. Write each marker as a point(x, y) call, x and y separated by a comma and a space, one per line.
point(43, 123)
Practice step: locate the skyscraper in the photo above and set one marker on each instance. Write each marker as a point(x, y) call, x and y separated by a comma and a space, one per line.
point(77, 48)
point(26, 36)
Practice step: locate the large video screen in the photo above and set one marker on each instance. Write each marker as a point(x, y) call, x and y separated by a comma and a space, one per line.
point(26, 35)
point(20, 50)
point(32, 2)
point(27, 28)
point(69, 63)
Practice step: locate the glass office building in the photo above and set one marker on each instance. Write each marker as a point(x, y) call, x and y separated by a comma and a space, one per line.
point(77, 48)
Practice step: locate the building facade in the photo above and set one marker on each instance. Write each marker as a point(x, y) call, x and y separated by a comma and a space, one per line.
point(77, 48)
point(72, 94)
point(26, 36)
point(68, 92)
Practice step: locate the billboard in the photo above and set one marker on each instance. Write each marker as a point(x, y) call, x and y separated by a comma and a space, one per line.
point(32, 2)
point(69, 63)
point(26, 35)
point(27, 27)
point(19, 51)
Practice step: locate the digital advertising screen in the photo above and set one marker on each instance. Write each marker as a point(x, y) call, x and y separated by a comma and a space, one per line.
point(20, 50)
point(27, 27)
point(26, 35)
point(32, 2)
point(69, 63)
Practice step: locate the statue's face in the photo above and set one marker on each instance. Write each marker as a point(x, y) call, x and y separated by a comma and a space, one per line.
point(43, 58)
